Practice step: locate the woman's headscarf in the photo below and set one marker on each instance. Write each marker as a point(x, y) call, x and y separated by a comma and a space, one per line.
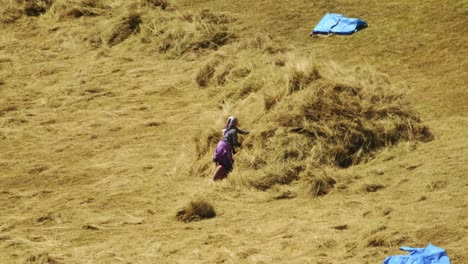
point(232, 120)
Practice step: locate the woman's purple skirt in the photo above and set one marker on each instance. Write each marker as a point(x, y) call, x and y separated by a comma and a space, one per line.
point(223, 155)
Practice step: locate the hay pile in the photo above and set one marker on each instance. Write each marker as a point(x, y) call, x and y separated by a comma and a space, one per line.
point(11, 11)
point(177, 33)
point(159, 29)
point(303, 115)
point(196, 210)
point(157, 25)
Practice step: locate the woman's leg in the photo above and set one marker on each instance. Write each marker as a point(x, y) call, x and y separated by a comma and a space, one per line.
point(220, 173)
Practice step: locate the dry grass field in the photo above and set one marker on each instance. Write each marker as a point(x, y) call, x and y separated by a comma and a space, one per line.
point(110, 111)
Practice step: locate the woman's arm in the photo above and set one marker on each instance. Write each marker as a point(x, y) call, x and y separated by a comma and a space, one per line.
point(243, 132)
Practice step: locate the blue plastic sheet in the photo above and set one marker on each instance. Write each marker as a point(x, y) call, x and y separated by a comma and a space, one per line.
point(428, 255)
point(338, 24)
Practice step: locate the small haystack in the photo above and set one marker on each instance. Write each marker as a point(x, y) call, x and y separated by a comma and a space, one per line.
point(195, 211)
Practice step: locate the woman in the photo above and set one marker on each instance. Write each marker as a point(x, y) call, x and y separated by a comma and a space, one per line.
point(226, 148)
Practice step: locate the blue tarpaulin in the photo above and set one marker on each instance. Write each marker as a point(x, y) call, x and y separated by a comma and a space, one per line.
point(428, 255)
point(338, 24)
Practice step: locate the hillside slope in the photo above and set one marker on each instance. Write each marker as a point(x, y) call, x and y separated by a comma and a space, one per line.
point(102, 108)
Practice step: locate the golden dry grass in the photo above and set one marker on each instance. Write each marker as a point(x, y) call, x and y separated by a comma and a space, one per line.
point(357, 145)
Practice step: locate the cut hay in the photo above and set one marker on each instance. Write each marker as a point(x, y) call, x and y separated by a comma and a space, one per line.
point(64, 9)
point(344, 123)
point(170, 33)
point(124, 29)
point(9, 14)
point(373, 187)
point(176, 34)
point(42, 258)
point(300, 75)
point(317, 182)
point(206, 73)
point(36, 7)
point(163, 4)
point(274, 175)
point(386, 239)
point(436, 185)
point(205, 143)
point(195, 211)
point(263, 43)
point(304, 114)
point(215, 18)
